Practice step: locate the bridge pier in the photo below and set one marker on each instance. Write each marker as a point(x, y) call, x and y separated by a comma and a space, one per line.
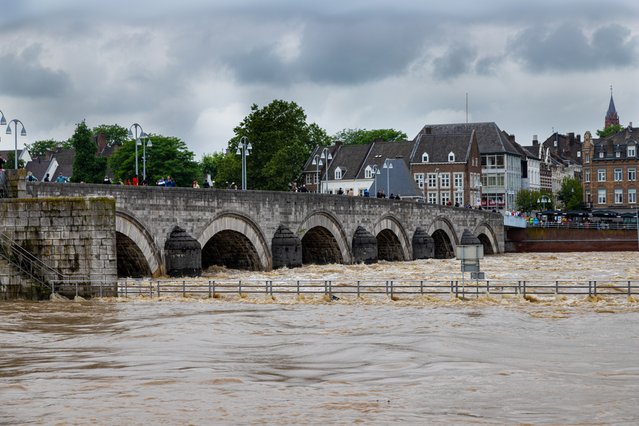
point(364, 246)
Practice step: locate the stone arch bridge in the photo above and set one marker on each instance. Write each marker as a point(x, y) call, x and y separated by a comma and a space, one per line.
point(179, 231)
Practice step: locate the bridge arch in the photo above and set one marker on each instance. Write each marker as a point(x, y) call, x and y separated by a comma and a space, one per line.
point(242, 234)
point(322, 228)
point(392, 241)
point(487, 236)
point(443, 232)
point(137, 253)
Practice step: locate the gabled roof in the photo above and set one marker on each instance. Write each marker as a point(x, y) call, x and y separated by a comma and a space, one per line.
point(439, 146)
point(380, 151)
point(400, 180)
point(490, 138)
point(349, 158)
point(38, 166)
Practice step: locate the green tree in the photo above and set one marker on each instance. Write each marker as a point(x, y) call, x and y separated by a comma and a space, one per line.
point(610, 130)
point(114, 134)
point(10, 163)
point(86, 166)
point(38, 148)
point(363, 136)
point(529, 200)
point(281, 142)
point(571, 193)
point(168, 156)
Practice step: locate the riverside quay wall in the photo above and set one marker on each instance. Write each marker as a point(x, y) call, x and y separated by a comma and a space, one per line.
point(559, 239)
point(74, 236)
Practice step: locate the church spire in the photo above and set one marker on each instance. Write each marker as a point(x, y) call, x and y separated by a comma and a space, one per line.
point(611, 116)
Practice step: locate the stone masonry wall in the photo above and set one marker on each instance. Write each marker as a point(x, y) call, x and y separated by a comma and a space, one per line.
point(73, 235)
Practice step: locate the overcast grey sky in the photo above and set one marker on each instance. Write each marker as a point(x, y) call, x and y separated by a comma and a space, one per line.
point(192, 68)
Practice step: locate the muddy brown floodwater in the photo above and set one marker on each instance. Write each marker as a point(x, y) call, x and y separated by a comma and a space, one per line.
point(254, 361)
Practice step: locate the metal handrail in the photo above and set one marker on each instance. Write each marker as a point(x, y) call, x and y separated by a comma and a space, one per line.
point(29, 264)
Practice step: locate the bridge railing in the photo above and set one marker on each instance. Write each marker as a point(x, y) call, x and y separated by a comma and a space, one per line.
point(395, 289)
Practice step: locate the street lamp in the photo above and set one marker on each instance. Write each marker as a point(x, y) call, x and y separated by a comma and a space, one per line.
point(543, 201)
point(243, 149)
point(388, 166)
point(326, 156)
point(317, 162)
point(15, 122)
point(376, 172)
point(148, 144)
point(133, 131)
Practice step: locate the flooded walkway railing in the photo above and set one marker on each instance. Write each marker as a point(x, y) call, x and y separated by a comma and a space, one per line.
point(389, 288)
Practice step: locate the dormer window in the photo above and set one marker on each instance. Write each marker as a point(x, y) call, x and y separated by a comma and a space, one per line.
point(368, 172)
point(451, 157)
point(338, 173)
point(425, 157)
point(601, 154)
point(631, 151)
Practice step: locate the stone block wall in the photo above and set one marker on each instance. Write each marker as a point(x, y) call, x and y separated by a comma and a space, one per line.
point(75, 236)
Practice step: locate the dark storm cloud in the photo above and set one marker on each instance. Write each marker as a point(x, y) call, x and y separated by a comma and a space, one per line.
point(22, 75)
point(568, 48)
point(339, 52)
point(456, 61)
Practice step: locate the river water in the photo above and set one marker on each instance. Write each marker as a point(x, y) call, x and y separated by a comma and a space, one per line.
point(261, 361)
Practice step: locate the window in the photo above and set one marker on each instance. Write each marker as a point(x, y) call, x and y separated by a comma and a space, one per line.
point(587, 158)
point(309, 178)
point(419, 179)
point(445, 180)
point(425, 157)
point(618, 196)
point(338, 173)
point(432, 180)
point(451, 157)
point(432, 198)
point(578, 154)
point(368, 172)
point(601, 175)
point(632, 196)
point(492, 161)
point(601, 154)
point(632, 174)
point(459, 198)
point(601, 196)
point(631, 151)
point(618, 175)
point(618, 154)
point(445, 198)
point(587, 175)
point(459, 180)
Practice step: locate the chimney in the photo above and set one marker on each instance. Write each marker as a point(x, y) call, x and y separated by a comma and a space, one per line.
point(535, 141)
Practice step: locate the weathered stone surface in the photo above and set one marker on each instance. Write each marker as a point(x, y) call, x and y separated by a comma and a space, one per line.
point(364, 246)
point(423, 245)
point(286, 248)
point(183, 254)
point(325, 223)
point(82, 253)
